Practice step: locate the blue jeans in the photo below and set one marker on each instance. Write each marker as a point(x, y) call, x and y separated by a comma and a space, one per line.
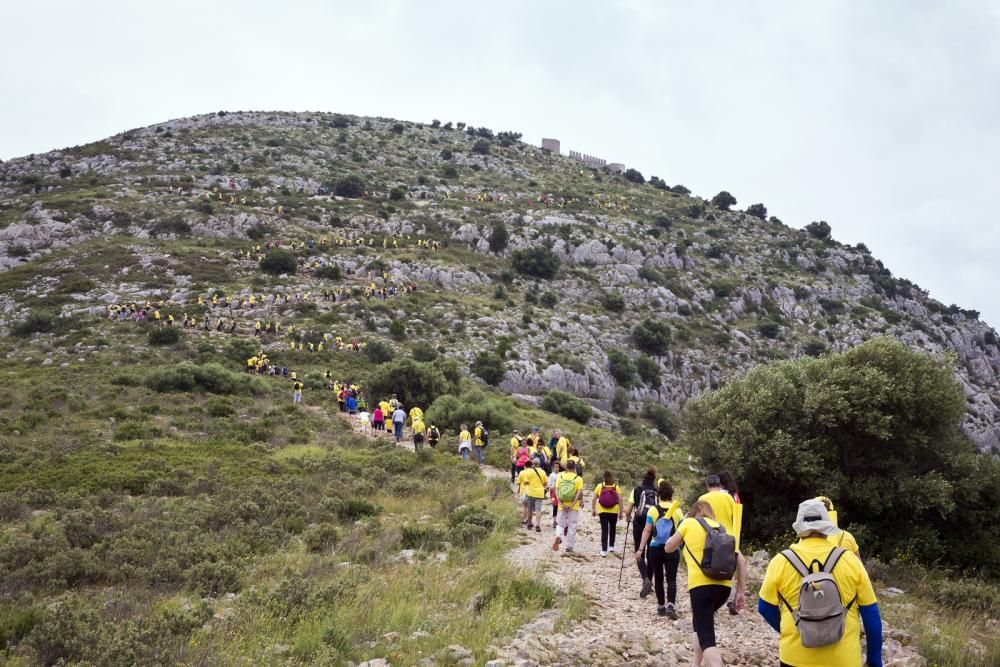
point(479, 455)
point(465, 454)
point(397, 430)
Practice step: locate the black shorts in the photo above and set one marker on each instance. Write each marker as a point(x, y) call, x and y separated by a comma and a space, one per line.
point(418, 438)
point(705, 601)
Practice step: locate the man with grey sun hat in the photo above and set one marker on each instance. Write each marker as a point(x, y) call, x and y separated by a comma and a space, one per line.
point(818, 595)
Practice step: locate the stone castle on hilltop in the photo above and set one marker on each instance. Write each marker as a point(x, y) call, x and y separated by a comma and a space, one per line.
point(554, 145)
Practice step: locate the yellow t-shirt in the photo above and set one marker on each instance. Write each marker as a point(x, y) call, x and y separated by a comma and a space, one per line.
point(846, 540)
point(532, 481)
point(416, 414)
point(465, 435)
point(562, 450)
point(477, 435)
point(852, 580)
point(694, 548)
point(577, 488)
point(515, 444)
point(418, 427)
point(601, 509)
point(722, 507)
point(386, 408)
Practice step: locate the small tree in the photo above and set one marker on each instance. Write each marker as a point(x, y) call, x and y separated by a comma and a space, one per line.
point(397, 128)
point(619, 403)
point(423, 351)
point(277, 262)
point(378, 351)
point(446, 154)
point(435, 123)
point(489, 366)
point(413, 383)
point(499, 236)
point(652, 336)
point(397, 329)
point(164, 336)
point(681, 190)
point(621, 368)
point(634, 175)
point(538, 262)
point(613, 302)
point(663, 419)
point(567, 405)
point(482, 147)
point(723, 200)
point(757, 211)
point(649, 370)
point(350, 186)
point(819, 230)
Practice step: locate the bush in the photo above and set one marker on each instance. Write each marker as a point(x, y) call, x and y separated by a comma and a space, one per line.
point(38, 321)
point(329, 272)
point(18, 250)
point(652, 336)
point(723, 200)
point(278, 261)
point(613, 302)
point(213, 378)
point(649, 370)
point(16, 623)
point(163, 336)
point(446, 154)
point(352, 509)
point(378, 351)
point(259, 231)
point(426, 538)
point(350, 186)
point(423, 351)
point(567, 405)
point(321, 537)
point(397, 128)
point(619, 403)
point(549, 299)
point(219, 407)
point(489, 366)
point(538, 262)
point(397, 329)
point(470, 525)
point(769, 329)
point(876, 428)
point(663, 419)
point(482, 147)
point(414, 383)
point(819, 230)
point(449, 171)
point(499, 236)
point(634, 175)
point(450, 411)
point(757, 211)
point(240, 349)
point(396, 194)
point(621, 368)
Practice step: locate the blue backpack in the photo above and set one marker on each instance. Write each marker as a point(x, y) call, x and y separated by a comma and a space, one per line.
point(664, 526)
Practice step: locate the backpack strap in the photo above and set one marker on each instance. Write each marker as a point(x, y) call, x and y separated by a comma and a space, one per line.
point(833, 559)
point(796, 562)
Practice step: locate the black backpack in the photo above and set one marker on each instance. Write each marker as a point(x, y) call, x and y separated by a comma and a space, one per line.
point(485, 435)
point(645, 497)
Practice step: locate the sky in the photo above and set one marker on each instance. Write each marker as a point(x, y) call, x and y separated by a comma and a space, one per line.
point(882, 118)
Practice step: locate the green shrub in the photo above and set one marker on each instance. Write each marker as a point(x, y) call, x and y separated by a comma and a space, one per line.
point(240, 349)
point(350, 186)
point(213, 378)
point(723, 200)
point(414, 383)
point(482, 147)
point(489, 366)
point(621, 368)
point(65, 632)
point(613, 302)
point(38, 321)
point(663, 419)
point(423, 351)
point(164, 336)
point(499, 236)
point(757, 211)
point(450, 411)
point(819, 230)
point(278, 261)
point(567, 405)
point(882, 424)
point(619, 403)
point(397, 329)
point(652, 336)
point(537, 262)
point(422, 537)
point(649, 370)
point(219, 407)
point(16, 622)
point(329, 272)
point(769, 329)
point(378, 351)
point(352, 509)
point(634, 175)
point(397, 194)
point(321, 537)
point(470, 525)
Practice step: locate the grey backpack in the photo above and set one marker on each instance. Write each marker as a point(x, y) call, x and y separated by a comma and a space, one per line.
point(821, 614)
point(718, 560)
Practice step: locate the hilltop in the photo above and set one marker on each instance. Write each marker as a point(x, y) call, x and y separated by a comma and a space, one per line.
point(162, 213)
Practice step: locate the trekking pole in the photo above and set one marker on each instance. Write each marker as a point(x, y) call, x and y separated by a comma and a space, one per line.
point(624, 556)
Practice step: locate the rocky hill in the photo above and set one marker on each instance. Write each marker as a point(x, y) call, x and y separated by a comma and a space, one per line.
point(175, 211)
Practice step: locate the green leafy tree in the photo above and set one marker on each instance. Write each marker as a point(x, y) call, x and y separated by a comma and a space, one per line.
point(819, 230)
point(414, 383)
point(499, 236)
point(634, 175)
point(482, 147)
point(538, 262)
point(489, 366)
point(723, 200)
point(652, 336)
point(877, 429)
point(649, 370)
point(350, 186)
point(567, 405)
point(278, 261)
point(621, 368)
point(613, 302)
point(757, 211)
point(663, 419)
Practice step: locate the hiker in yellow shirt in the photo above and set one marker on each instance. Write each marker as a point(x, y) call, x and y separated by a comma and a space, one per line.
point(532, 483)
point(842, 538)
point(480, 439)
point(778, 601)
point(662, 520)
point(464, 442)
point(562, 448)
point(724, 511)
point(607, 504)
point(418, 432)
point(569, 492)
point(515, 444)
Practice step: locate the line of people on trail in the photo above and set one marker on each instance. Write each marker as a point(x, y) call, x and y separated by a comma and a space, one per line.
point(816, 594)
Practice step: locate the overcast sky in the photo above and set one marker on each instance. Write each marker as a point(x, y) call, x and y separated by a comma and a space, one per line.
point(882, 118)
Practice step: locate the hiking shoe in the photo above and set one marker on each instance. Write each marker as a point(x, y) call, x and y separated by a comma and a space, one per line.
point(604, 554)
point(671, 612)
point(732, 608)
point(569, 550)
point(661, 611)
point(611, 549)
point(538, 529)
point(647, 588)
point(527, 526)
point(555, 545)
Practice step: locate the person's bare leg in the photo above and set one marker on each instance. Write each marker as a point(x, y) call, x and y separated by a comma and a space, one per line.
point(712, 657)
point(696, 647)
point(741, 582)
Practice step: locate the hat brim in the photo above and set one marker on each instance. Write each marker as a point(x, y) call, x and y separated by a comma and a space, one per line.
point(805, 527)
